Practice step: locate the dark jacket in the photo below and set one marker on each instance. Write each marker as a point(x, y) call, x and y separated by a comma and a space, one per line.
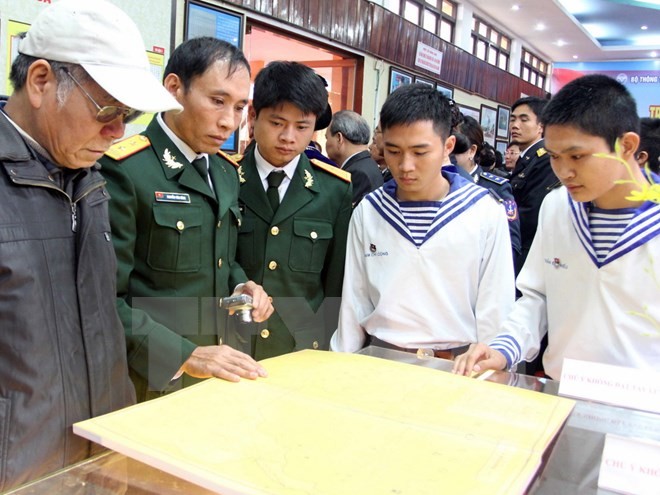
point(531, 180)
point(62, 348)
point(175, 241)
point(365, 175)
point(501, 189)
point(297, 254)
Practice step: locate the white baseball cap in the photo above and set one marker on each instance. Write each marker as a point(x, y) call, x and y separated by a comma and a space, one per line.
point(106, 43)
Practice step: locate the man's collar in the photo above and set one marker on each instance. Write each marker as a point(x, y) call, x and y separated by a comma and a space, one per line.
point(351, 156)
point(530, 147)
point(187, 151)
point(264, 168)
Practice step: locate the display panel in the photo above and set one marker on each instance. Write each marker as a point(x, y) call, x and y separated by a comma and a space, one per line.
point(207, 20)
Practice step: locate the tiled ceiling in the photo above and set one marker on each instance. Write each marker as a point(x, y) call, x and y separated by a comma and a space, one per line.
point(580, 30)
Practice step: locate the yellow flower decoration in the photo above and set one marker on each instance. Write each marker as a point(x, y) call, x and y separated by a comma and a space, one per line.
point(646, 191)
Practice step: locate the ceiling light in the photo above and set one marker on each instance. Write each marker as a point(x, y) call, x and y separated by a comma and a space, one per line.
point(515, 7)
point(653, 54)
point(644, 28)
point(540, 27)
point(560, 42)
point(575, 56)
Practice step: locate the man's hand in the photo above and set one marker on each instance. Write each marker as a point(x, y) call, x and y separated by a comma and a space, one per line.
point(479, 357)
point(262, 305)
point(222, 361)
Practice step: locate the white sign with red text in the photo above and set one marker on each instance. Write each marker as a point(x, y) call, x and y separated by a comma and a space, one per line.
point(428, 58)
point(630, 465)
point(617, 385)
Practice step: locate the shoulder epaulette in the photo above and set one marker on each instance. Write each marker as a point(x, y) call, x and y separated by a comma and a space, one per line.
point(494, 178)
point(495, 196)
point(128, 147)
point(230, 159)
point(540, 152)
point(336, 171)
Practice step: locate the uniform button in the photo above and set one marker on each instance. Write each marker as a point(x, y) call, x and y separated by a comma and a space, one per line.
point(313, 235)
point(315, 345)
point(180, 225)
point(219, 262)
point(265, 333)
point(275, 230)
point(272, 265)
point(219, 223)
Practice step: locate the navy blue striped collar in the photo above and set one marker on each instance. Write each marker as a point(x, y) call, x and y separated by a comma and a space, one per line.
point(643, 227)
point(461, 196)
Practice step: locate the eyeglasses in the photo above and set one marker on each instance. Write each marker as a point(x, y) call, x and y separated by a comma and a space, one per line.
point(108, 113)
point(509, 152)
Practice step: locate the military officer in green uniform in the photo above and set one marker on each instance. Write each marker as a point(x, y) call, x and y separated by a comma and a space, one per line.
point(295, 212)
point(174, 215)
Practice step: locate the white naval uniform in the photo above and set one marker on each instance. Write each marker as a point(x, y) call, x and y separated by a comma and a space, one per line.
point(455, 289)
point(592, 311)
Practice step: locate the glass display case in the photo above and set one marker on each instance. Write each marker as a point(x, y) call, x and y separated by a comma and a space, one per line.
point(571, 465)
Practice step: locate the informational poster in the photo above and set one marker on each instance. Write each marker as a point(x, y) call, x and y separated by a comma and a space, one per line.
point(641, 78)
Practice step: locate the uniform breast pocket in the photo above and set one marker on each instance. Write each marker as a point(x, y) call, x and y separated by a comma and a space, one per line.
point(309, 244)
point(247, 253)
point(175, 238)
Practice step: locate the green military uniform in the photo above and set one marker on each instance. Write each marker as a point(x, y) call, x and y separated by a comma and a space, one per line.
point(175, 241)
point(297, 253)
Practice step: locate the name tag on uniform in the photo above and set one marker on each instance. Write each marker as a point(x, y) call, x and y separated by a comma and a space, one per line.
point(172, 197)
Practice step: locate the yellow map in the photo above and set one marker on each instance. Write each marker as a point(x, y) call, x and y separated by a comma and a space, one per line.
point(342, 424)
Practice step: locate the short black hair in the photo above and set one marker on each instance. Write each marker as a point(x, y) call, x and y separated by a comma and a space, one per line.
point(289, 82)
point(536, 104)
point(418, 102)
point(650, 141)
point(193, 57)
point(597, 105)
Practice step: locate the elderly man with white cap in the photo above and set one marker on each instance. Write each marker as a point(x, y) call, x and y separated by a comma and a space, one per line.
point(81, 74)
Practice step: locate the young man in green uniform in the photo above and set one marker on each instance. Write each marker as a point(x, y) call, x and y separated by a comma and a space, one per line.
point(174, 216)
point(295, 213)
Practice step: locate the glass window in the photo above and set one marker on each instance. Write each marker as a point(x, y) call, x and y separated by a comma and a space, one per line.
point(449, 8)
point(411, 12)
point(430, 21)
point(503, 62)
point(489, 44)
point(483, 29)
point(533, 69)
point(492, 56)
point(481, 50)
point(393, 5)
point(446, 31)
point(433, 3)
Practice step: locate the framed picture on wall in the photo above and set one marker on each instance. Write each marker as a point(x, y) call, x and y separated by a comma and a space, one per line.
point(421, 80)
point(501, 147)
point(469, 112)
point(488, 123)
point(399, 78)
point(503, 115)
point(445, 90)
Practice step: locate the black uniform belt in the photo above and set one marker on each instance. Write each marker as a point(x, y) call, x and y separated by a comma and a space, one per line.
point(422, 352)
